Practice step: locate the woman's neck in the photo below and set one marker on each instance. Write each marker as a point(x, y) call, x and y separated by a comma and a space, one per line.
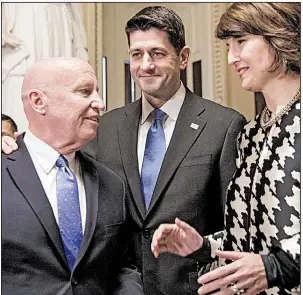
point(281, 91)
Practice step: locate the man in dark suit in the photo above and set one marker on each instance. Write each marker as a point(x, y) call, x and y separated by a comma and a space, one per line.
point(200, 150)
point(47, 250)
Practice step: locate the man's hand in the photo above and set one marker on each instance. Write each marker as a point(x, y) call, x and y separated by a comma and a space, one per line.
point(179, 238)
point(246, 271)
point(9, 145)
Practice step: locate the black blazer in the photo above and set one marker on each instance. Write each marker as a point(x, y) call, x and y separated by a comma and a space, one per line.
point(33, 258)
point(196, 170)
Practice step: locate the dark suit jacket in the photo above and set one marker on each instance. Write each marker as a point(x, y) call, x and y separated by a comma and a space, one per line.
point(33, 258)
point(196, 170)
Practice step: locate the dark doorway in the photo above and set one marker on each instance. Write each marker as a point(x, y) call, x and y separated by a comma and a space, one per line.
point(129, 85)
point(197, 77)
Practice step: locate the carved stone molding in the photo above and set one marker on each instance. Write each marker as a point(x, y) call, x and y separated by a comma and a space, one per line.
point(98, 41)
point(92, 19)
point(88, 11)
point(219, 57)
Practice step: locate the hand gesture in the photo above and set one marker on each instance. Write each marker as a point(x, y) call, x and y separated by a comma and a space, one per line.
point(246, 274)
point(179, 238)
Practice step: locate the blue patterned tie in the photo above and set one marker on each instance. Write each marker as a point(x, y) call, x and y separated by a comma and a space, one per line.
point(155, 149)
point(69, 216)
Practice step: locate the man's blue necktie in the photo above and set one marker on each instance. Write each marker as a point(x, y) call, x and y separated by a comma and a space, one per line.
point(69, 216)
point(155, 149)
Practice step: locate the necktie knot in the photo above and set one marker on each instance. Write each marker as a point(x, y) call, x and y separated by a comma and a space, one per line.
point(158, 116)
point(61, 162)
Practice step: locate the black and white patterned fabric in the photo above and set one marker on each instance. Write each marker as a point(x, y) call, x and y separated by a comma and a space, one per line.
point(263, 199)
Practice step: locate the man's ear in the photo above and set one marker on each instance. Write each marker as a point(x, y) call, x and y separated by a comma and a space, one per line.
point(38, 101)
point(184, 57)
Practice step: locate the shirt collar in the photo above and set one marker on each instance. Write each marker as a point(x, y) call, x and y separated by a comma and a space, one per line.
point(172, 107)
point(45, 155)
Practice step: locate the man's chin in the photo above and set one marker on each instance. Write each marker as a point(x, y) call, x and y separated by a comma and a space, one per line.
point(91, 136)
point(150, 89)
point(88, 135)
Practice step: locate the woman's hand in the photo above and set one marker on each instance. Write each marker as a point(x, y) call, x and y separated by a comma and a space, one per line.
point(179, 238)
point(246, 271)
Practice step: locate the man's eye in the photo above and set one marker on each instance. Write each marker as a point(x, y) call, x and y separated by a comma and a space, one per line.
point(85, 91)
point(158, 54)
point(136, 55)
point(240, 41)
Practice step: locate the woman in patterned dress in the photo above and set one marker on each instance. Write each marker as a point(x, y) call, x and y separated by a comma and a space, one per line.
point(261, 240)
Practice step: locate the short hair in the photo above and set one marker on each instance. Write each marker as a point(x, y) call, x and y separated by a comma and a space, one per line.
point(161, 18)
point(278, 23)
point(8, 118)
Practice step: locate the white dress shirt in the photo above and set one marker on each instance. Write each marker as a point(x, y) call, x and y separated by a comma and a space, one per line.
point(44, 158)
point(171, 108)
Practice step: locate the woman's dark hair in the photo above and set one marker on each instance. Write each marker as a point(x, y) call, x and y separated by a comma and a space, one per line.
point(278, 23)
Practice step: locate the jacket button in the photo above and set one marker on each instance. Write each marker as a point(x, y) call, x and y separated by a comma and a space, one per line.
point(74, 281)
point(146, 233)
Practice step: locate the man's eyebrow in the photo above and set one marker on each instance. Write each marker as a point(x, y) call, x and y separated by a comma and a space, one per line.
point(83, 83)
point(153, 49)
point(159, 48)
point(134, 49)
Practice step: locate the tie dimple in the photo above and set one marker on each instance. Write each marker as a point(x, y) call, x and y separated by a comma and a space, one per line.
point(158, 116)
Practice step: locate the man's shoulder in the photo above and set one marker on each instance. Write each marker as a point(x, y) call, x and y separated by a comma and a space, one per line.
point(215, 107)
point(216, 111)
point(119, 113)
point(115, 113)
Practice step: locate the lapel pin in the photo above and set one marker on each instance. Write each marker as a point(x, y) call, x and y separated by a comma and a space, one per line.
point(194, 126)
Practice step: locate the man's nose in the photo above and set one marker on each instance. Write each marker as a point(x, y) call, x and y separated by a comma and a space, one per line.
point(97, 102)
point(147, 62)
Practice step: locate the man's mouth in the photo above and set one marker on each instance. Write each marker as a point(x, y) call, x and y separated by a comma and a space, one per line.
point(93, 118)
point(149, 76)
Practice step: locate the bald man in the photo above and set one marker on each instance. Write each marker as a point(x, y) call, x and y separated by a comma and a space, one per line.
point(63, 214)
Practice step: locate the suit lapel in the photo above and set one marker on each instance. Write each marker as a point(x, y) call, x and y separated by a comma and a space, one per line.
point(91, 185)
point(182, 140)
point(128, 138)
point(23, 171)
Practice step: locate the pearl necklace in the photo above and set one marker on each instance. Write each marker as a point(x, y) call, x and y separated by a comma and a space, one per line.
point(267, 121)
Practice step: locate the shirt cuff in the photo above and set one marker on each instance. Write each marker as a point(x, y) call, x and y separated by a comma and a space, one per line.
point(203, 254)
